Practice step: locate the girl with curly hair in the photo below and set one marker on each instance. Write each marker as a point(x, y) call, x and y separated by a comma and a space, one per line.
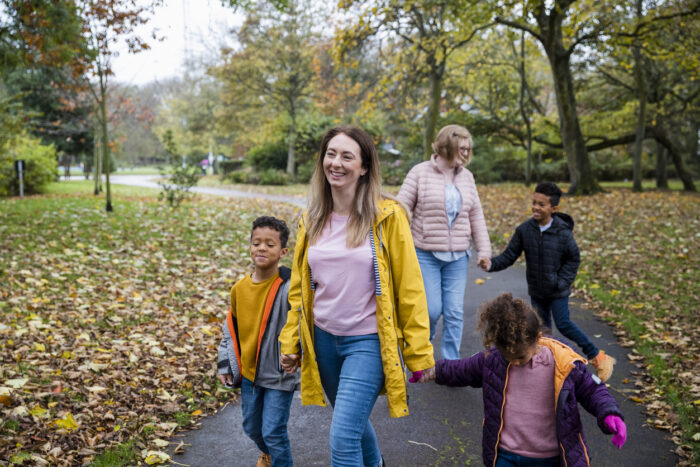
point(532, 386)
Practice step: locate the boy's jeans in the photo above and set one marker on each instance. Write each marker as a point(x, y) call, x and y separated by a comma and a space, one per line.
point(352, 376)
point(265, 416)
point(444, 283)
point(559, 308)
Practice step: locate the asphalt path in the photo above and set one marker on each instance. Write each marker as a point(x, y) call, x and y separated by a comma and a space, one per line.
point(444, 425)
point(150, 181)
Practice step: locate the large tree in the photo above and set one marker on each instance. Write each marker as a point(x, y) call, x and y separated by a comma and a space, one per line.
point(561, 27)
point(107, 22)
point(422, 36)
point(274, 64)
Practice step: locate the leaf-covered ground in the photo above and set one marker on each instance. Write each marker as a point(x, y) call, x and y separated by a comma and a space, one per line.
point(640, 271)
point(110, 323)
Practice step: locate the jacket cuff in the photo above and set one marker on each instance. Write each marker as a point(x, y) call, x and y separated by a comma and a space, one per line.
point(223, 367)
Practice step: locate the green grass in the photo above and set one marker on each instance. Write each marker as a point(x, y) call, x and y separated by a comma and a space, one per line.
point(88, 187)
point(117, 456)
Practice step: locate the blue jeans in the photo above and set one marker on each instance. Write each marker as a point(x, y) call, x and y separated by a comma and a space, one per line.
point(352, 376)
point(444, 284)
point(265, 416)
point(559, 309)
point(509, 459)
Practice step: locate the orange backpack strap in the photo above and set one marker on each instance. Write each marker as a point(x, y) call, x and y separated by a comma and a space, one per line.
point(234, 337)
point(266, 313)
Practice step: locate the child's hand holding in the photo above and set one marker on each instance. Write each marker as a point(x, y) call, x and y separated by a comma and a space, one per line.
point(290, 362)
point(423, 376)
point(619, 429)
point(485, 264)
point(226, 379)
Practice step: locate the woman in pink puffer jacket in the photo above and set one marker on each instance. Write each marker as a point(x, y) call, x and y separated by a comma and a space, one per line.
point(442, 197)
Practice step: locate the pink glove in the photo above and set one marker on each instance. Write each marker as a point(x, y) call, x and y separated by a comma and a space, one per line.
point(416, 376)
point(618, 427)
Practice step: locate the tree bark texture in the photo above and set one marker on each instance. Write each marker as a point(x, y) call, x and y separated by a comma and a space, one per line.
point(661, 167)
point(433, 113)
point(664, 136)
point(105, 141)
point(641, 112)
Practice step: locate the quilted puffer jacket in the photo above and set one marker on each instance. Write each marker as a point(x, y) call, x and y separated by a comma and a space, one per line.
point(573, 385)
point(551, 257)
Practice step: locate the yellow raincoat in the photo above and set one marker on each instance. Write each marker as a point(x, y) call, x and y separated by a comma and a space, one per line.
point(402, 311)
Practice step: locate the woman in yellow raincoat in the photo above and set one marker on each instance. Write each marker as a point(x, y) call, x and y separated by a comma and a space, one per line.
point(358, 312)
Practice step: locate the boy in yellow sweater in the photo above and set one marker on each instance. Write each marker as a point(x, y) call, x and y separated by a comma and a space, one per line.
point(249, 353)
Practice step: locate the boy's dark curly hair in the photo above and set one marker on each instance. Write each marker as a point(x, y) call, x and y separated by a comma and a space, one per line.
point(509, 324)
point(274, 224)
point(550, 189)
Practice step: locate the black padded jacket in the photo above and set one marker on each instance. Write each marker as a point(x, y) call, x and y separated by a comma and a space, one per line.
point(551, 257)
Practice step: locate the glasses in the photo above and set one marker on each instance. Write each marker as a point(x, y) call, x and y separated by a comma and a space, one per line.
point(464, 149)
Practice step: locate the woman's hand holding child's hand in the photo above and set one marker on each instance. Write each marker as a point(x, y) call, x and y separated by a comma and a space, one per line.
point(619, 429)
point(423, 376)
point(290, 362)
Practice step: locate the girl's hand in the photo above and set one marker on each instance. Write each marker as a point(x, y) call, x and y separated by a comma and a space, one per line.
point(290, 362)
point(619, 429)
point(485, 264)
point(423, 376)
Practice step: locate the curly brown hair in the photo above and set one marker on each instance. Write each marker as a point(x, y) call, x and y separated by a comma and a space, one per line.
point(509, 324)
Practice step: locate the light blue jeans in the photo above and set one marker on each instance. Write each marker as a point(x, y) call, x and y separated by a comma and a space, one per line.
point(445, 282)
point(352, 376)
point(265, 416)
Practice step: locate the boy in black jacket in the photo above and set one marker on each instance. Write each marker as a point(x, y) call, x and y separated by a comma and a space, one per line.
point(552, 259)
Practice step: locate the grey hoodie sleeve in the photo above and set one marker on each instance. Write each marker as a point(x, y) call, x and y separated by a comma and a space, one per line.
point(228, 364)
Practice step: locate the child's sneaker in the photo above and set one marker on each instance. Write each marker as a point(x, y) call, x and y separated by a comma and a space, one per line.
point(603, 365)
point(265, 460)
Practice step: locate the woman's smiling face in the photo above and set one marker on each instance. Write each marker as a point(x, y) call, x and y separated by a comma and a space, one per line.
point(342, 163)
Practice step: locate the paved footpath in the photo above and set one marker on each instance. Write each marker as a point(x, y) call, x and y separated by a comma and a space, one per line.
point(444, 426)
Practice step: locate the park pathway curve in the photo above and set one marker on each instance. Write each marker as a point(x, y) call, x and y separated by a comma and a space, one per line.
point(149, 181)
point(444, 425)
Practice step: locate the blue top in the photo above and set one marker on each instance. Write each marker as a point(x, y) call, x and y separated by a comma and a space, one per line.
point(453, 204)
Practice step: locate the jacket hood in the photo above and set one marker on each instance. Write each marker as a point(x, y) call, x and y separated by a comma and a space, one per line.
point(568, 220)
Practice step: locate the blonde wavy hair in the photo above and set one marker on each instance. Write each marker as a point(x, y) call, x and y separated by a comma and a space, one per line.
point(369, 187)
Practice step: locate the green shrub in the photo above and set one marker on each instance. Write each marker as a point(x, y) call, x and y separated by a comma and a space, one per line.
point(238, 176)
point(274, 177)
point(177, 187)
point(271, 155)
point(40, 166)
point(226, 167)
point(305, 171)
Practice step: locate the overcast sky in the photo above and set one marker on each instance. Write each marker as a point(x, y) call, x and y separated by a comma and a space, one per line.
point(190, 27)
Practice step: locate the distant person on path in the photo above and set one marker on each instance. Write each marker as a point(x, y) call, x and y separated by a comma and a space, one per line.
point(532, 386)
point(552, 259)
point(358, 310)
point(249, 351)
point(442, 197)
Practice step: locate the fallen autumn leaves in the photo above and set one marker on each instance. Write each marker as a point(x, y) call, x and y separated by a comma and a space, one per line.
point(110, 323)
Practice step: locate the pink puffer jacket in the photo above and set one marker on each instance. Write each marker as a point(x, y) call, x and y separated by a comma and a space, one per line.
point(423, 192)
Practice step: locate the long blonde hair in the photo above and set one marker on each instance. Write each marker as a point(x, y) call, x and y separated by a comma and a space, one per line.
point(369, 186)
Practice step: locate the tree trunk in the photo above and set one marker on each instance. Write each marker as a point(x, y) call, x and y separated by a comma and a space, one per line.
point(105, 141)
point(97, 166)
point(666, 138)
point(523, 111)
point(641, 115)
point(581, 174)
point(433, 113)
point(291, 144)
point(661, 172)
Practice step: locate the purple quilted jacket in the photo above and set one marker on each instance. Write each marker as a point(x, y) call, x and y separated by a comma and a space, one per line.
point(573, 385)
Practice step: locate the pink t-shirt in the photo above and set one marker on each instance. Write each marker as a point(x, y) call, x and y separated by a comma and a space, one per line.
point(529, 424)
point(344, 302)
